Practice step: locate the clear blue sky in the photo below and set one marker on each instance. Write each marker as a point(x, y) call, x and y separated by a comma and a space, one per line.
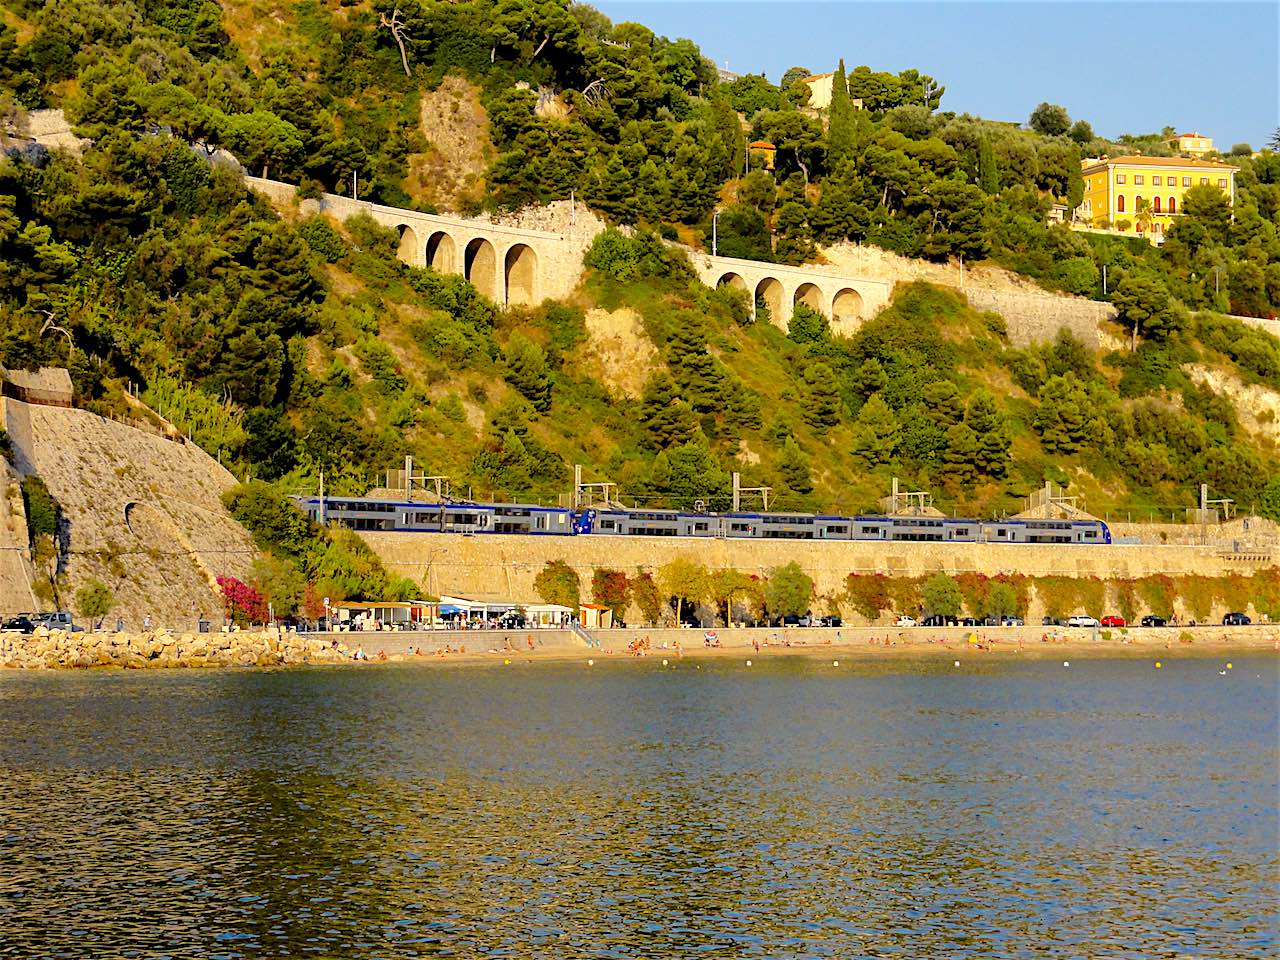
point(1126, 67)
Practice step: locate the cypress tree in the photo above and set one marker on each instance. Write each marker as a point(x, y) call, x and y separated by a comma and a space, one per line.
point(841, 127)
point(988, 172)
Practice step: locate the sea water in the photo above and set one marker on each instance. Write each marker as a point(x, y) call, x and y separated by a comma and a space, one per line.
point(791, 809)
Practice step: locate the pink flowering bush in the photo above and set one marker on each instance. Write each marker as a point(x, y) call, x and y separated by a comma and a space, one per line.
point(243, 603)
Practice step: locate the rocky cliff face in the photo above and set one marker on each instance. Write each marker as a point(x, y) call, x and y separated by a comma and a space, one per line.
point(142, 513)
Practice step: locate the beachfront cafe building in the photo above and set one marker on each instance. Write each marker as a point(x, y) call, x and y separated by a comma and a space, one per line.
point(469, 612)
point(384, 615)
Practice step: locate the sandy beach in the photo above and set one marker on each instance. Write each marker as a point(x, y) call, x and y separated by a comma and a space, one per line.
point(870, 645)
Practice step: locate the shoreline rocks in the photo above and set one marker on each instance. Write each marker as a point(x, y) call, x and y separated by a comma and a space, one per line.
point(160, 649)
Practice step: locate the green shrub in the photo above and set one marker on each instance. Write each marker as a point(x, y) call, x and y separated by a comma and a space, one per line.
point(324, 241)
point(42, 510)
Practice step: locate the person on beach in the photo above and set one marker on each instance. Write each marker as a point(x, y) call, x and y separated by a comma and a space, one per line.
point(529, 640)
point(360, 654)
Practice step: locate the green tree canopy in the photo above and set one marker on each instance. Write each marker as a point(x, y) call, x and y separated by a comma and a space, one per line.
point(941, 595)
point(1050, 119)
point(789, 591)
point(94, 601)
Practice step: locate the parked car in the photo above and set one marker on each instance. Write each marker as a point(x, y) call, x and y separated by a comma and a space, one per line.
point(1082, 622)
point(1151, 620)
point(1012, 622)
point(830, 622)
point(1053, 622)
point(58, 620)
point(19, 624)
point(968, 622)
point(938, 620)
point(1114, 621)
point(1236, 620)
point(905, 622)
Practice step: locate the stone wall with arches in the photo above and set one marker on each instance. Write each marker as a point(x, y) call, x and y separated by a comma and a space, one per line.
point(510, 263)
point(774, 290)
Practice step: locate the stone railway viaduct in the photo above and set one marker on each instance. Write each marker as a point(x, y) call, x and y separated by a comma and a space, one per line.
point(537, 255)
point(515, 262)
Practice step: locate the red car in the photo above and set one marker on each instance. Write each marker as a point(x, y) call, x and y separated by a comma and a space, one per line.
point(1114, 622)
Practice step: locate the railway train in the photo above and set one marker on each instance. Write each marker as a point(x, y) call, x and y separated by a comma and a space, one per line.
point(481, 518)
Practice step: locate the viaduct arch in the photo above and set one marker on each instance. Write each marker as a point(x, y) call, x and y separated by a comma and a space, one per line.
point(776, 289)
point(511, 265)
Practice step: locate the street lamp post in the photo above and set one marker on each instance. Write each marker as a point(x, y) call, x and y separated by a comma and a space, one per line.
point(715, 217)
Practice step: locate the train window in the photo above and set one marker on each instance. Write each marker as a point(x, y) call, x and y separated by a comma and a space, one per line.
point(962, 531)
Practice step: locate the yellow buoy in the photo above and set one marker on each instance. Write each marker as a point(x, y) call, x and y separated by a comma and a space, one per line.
point(835, 663)
point(505, 662)
point(591, 663)
point(664, 663)
point(1159, 664)
point(1228, 666)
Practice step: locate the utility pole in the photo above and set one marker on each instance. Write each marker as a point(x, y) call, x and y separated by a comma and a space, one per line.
point(355, 185)
point(715, 219)
point(1104, 279)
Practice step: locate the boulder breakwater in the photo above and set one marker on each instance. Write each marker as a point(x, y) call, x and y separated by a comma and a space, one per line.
point(160, 649)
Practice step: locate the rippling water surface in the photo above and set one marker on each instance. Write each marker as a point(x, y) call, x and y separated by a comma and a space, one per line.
point(792, 809)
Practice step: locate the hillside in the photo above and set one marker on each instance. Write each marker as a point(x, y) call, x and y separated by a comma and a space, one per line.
point(290, 347)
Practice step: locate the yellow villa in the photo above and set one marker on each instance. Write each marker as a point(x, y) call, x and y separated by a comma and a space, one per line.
point(1113, 187)
point(1191, 143)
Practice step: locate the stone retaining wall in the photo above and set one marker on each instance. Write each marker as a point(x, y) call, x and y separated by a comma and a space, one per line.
point(1037, 318)
point(505, 566)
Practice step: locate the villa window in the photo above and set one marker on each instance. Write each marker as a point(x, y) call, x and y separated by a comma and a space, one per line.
point(1155, 205)
point(1204, 181)
point(1222, 182)
point(1173, 205)
point(1186, 181)
point(1120, 204)
point(1138, 179)
point(1119, 178)
point(1155, 181)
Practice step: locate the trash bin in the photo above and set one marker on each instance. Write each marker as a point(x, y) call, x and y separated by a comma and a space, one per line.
point(202, 625)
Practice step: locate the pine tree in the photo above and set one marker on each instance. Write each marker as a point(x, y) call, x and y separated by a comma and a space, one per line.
point(821, 400)
point(960, 457)
point(1064, 416)
point(984, 419)
point(794, 467)
point(988, 171)
point(875, 432)
point(841, 126)
point(527, 371)
point(667, 418)
point(945, 404)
